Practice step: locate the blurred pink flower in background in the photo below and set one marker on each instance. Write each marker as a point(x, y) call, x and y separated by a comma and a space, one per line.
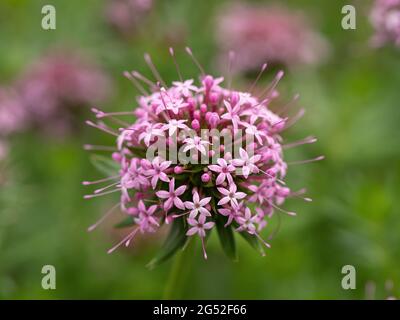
point(12, 117)
point(259, 34)
point(385, 18)
point(53, 89)
point(126, 16)
point(12, 113)
point(3, 151)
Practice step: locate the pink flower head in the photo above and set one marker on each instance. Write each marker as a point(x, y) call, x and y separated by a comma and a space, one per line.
point(241, 162)
point(247, 222)
point(134, 177)
point(385, 18)
point(3, 151)
point(195, 143)
point(232, 114)
point(185, 87)
point(173, 125)
point(247, 163)
point(126, 16)
point(199, 226)
point(224, 171)
point(172, 196)
point(259, 34)
point(230, 195)
point(146, 220)
point(13, 115)
point(231, 212)
point(152, 131)
point(198, 206)
point(54, 88)
point(157, 171)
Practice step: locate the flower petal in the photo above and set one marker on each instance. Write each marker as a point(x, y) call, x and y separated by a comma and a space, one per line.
point(180, 190)
point(223, 201)
point(162, 194)
point(192, 231)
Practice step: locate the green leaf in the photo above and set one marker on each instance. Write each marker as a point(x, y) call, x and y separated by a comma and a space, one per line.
point(180, 176)
point(226, 237)
point(197, 168)
point(176, 240)
point(127, 222)
point(105, 165)
point(253, 241)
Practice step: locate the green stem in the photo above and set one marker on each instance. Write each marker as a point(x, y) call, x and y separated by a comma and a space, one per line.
point(180, 271)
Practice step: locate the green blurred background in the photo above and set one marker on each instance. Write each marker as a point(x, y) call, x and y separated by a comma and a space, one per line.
point(352, 104)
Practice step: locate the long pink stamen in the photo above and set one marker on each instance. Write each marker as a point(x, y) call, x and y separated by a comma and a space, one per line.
point(299, 193)
point(86, 183)
point(137, 85)
point(104, 129)
point(306, 161)
point(273, 177)
point(196, 62)
point(105, 216)
point(308, 140)
point(231, 59)
point(264, 66)
point(295, 118)
point(279, 122)
point(262, 240)
point(203, 247)
point(164, 114)
point(141, 77)
point(101, 114)
point(180, 215)
point(110, 114)
point(290, 213)
point(273, 85)
point(289, 104)
point(153, 69)
point(90, 196)
point(127, 238)
point(128, 242)
point(106, 187)
point(172, 53)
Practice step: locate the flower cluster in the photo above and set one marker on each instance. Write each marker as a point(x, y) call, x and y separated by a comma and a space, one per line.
point(51, 93)
point(385, 18)
point(274, 34)
point(231, 184)
point(54, 88)
point(127, 15)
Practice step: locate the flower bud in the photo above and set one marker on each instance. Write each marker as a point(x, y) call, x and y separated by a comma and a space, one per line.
point(208, 82)
point(235, 98)
point(205, 177)
point(197, 114)
point(195, 124)
point(178, 170)
point(214, 97)
point(203, 108)
point(116, 156)
point(213, 120)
